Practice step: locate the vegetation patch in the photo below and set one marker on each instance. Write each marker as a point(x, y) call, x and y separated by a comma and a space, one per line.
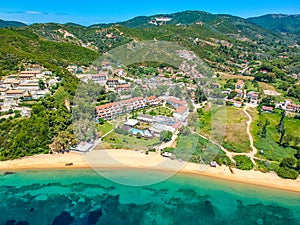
point(243, 162)
point(227, 125)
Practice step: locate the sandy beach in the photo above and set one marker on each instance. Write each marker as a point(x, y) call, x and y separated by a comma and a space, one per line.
point(137, 159)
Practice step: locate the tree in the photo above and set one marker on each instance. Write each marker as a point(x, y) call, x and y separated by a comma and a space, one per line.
point(199, 95)
point(165, 136)
point(298, 165)
point(112, 96)
point(63, 141)
point(232, 95)
point(185, 131)
point(42, 85)
point(101, 121)
point(264, 129)
point(297, 155)
point(280, 126)
point(288, 162)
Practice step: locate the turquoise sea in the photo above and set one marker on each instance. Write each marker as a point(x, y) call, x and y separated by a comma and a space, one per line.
point(65, 197)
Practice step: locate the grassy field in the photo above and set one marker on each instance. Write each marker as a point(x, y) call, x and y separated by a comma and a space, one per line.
point(265, 86)
point(272, 150)
point(105, 128)
point(232, 76)
point(196, 149)
point(117, 141)
point(160, 111)
point(228, 126)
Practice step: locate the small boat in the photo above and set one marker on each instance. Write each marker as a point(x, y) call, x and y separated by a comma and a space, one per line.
point(166, 154)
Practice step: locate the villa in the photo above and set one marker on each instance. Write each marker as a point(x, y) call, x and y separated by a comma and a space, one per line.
point(288, 105)
point(253, 96)
point(239, 84)
point(239, 93)
point(267, 108)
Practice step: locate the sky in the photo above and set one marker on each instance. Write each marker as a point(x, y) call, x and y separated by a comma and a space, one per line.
point(103, 11)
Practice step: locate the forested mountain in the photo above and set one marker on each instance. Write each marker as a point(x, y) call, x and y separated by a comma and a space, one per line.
point(288, 25)
point(225, 24)
point(4, 23)
point(278, 22)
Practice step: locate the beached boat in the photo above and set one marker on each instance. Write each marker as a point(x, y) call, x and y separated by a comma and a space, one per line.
point(166, 154)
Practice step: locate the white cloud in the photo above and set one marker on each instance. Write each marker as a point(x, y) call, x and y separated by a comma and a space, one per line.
point(34, 12)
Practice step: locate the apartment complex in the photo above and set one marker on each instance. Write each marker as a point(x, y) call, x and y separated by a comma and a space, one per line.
point(111, 110)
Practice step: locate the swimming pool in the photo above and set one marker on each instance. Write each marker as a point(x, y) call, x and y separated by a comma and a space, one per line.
point(142, 132)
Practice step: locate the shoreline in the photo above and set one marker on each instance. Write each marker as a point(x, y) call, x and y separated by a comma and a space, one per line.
point(129, 159)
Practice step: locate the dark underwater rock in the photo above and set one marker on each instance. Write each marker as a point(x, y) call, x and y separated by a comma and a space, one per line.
point(94, 216)
point(8, 173)
point(63, 219)
point(22, 223)
point(10, 222)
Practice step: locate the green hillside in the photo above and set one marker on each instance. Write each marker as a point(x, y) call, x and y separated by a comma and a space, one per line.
point(101, 40)
point(22, 45)
point(285, 24)
point(225, 24)
point(278, 22)
point(4, 23)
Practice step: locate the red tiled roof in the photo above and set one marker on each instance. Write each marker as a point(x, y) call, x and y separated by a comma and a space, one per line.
point(240, 82)
point(267, 108)
point(181, 109)
point(152, 98)
point(15, 92)
point(113, 79)
point(177, 124)
point(177, 101)
point(124, 86)
point(30, 72)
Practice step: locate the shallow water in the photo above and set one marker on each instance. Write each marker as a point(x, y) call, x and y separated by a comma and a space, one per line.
point(84, 197)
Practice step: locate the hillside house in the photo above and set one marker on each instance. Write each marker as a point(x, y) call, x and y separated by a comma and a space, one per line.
point(181, 113)
point(239, 84)
point(112, 82)
point(175, 102)
point(239, 93)
point(123, 87)
point(267, 109)
point(98, 77)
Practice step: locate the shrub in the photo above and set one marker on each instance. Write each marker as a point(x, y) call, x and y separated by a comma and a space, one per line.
point(243, 162)
point(168, 149)
point(165, 136)
point(101, 121)
point(288, 162)
point(287, 173)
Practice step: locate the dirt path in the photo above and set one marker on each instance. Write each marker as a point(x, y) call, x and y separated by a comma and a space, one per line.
point(254, 150)
point(251, 154)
